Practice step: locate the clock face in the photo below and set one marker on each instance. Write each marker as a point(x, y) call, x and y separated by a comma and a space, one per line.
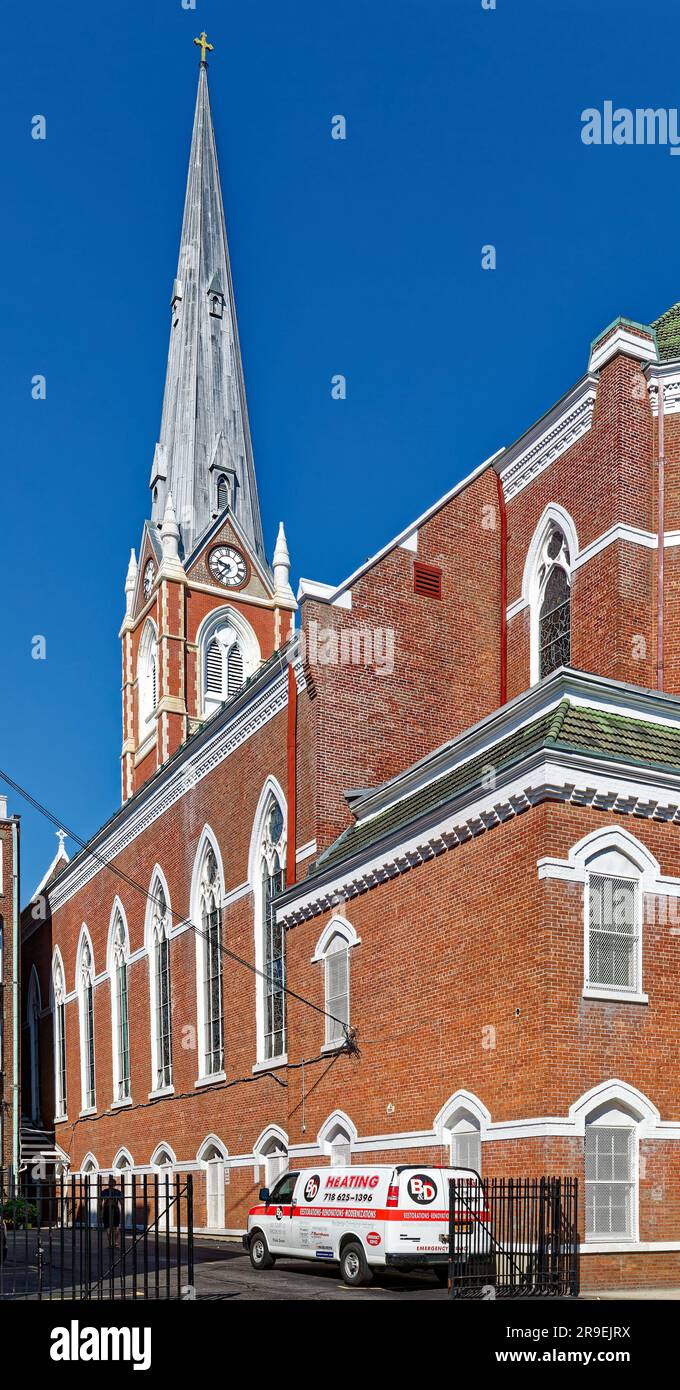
point(228, 566)
point(148, 577)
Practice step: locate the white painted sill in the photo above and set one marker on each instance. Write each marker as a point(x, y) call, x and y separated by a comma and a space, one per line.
point(161, 1093)
point(329, 1048)
point(614, 996)
point(271, 1064)
point(84, 1113)
point(214, 1080)
point(121, 1104)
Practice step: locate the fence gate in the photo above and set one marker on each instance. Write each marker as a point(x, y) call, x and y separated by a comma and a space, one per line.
point(89, 1237)
point(513, 1238)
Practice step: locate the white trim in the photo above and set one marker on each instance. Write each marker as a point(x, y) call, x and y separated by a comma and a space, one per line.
point(338, 926)
point(622, 340)
point(157, 877)
point(207, 840)
point(118, 910)
point(153, 1161)
point(554, 517)
point(270, 1064)
point(225, 616)
point(82, 940)
point(272, 788)
point(305, 851)
point(556, 431)
point(627, 1247)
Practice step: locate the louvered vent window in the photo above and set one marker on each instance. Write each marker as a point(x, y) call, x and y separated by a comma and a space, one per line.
point(613, 939)
point(234, 670)
point(466, 1150)
point(337, 990)
point(214, 668)
point(427, 580)
point(610, 1159)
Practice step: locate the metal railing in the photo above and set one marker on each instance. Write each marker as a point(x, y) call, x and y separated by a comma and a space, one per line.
point(86, 1237)
point(513, 1238)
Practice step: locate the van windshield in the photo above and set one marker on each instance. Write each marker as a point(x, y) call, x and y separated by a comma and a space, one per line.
point(282, 1191)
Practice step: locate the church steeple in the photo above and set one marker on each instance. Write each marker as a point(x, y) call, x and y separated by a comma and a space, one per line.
point(204, 454)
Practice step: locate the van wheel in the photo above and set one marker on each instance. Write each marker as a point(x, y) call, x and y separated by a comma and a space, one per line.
point(354, 1266)
point(260, 1257)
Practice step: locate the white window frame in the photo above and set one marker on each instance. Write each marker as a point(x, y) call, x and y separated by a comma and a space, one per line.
point(616, 1116)
point(59, 1015)
point(338, 927)
point(212, 1157)
point(624, 870)
point(148, 692)
point(118, 916)
point(227, 619)
point(612, 852)
point(88, 1104)
point(206, 842)
point(554, 518)
point(258, 852)
point(158, 882)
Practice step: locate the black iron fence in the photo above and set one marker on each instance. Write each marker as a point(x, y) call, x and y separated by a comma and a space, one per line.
point(87, 1237)
point(513, 1238)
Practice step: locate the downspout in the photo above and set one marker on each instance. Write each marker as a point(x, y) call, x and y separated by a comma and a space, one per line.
point(660, 545)
point(504, 592)
point(16, 929)
point(291, 751)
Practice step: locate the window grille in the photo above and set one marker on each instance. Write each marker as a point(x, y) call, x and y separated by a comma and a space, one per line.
point(162, 991)
point(555, 622)
point(609, 1181)
point(613, 940)
point(211, 918)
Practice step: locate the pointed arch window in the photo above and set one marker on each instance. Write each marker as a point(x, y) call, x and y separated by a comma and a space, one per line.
point(229, 654)
point(224, 667)
point(222, 492)
point(59, 1042)
point(87, 1027)
point(161, 991)
point(211, 928)
point(336, 967)
point(273, 957)
point(121, 1019)
point(554, 603)
point(147, 681)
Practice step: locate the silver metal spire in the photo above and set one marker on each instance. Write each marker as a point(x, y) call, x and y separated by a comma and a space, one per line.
point(204, 454)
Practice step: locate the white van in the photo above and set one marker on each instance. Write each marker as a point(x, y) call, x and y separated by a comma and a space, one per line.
point(366, 1217)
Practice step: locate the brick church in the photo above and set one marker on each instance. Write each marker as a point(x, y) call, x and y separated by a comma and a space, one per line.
point(396, 870)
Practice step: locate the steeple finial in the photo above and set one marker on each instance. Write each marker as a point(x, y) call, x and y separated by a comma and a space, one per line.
point(281, 566)
point(169, 531)
point(130, 581)
point(203, 44)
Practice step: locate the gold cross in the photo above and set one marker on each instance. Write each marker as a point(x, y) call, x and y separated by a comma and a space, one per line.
point(203, 44)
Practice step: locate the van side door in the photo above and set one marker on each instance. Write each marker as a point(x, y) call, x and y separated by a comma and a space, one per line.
point(279, 1215)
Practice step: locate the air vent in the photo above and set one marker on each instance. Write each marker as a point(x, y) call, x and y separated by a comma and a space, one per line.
point(427, 580)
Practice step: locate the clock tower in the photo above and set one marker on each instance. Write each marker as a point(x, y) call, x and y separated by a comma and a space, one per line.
point(204, 608)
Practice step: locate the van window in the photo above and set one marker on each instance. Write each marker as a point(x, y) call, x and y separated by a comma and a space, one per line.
point(284, 1188)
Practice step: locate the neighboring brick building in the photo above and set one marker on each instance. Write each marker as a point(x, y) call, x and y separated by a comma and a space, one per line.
point(10, 966)
point(467, 755)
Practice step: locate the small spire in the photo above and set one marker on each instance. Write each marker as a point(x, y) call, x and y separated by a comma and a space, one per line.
point(281, 566)
point(130, 582)
point(170, 531)
point(61, 852)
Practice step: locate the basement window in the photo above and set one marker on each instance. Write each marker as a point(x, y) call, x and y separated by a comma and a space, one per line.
point(427, 580)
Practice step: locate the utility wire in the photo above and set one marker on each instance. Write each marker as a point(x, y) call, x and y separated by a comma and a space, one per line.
point(350, 1045)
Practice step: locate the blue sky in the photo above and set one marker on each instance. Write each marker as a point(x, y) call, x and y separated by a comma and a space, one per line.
point(360, 257)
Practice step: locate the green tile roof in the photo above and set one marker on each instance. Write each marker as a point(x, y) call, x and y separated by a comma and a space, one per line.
point(668, 334)
point(568, 727)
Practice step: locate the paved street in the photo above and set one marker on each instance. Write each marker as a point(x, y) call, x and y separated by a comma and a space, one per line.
point(223, 1270)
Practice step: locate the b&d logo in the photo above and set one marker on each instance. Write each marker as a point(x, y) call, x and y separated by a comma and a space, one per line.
point(421, 1189)
point(312, 1187)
